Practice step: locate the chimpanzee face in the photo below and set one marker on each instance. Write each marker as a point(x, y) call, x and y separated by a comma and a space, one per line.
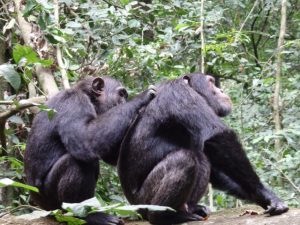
point(214, 96)
point(108, 93)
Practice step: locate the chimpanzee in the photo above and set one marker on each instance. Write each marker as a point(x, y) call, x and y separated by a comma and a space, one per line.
point(62, 154)
point(178, 145)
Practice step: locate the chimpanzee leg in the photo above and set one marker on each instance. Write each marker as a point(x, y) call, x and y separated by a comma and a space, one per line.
point(170, 183)
point(202, 179)
point(70, 180)
point(227, 155)
point(73, 181)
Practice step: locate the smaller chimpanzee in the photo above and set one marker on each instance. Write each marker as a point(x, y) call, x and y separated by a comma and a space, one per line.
point(179, 144)
point(62, 154)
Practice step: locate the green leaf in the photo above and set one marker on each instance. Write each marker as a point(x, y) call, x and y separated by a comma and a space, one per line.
point(149, 207)
point(8, 182)
point(82, 209)
point(124, 2)
point(134, 23)
point(30, 7)
point(51, 39)
point(73, 24)
point(59, 38)
point(11, 75)
point(25, 54)
point(129, 53)
point(182, 26)
point(9, 25)
point(42, 22)
point(47, 5)
point(67, 218)
point(21, 51)
point(50, 112)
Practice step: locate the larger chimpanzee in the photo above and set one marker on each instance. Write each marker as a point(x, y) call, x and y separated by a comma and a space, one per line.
point(179, 144)
point(62, 154)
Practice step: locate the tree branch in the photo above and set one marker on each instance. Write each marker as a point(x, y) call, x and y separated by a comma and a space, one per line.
point(21, 105)
point(14, 109)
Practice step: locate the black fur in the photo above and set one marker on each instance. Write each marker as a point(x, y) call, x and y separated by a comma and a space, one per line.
point(62, 154)
point(168, 154)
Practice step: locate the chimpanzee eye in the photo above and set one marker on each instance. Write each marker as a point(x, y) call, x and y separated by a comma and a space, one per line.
point(123, 93)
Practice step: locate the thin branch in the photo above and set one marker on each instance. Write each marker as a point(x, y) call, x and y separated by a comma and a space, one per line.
point(263, 27)
point(6, 102)
point(254, 45)
point(202, 37)
point(244, 23)
point(20, 207)
point(23, 104)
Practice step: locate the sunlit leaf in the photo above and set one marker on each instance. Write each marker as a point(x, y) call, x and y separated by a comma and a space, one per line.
point(8, 182)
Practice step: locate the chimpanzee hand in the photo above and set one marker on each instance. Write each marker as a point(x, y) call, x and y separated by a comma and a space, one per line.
point(103, 219)
point(276, 207)
point(146, 96)
point(152, 91)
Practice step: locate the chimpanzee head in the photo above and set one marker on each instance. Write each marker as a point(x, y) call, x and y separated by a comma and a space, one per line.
point(104, 92)
point(214, 96)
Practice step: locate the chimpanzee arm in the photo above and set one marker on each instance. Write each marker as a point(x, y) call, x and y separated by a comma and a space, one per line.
point(110, 128)
point(227, 155)
point(88, 136)
point(74, 112)
point(221, 181)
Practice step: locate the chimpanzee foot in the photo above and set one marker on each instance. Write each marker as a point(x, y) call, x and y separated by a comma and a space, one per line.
point(169, 218)
point(202, 211)
point(276, 207)
point(103, 219)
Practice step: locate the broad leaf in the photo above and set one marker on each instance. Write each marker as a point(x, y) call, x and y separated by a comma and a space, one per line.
point(10, 74)
point(25, 54)
point(8, 182)
point(83, 208)
point(67, 218)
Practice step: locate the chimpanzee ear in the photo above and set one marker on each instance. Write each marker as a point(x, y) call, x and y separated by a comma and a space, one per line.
point(98, 85)
point(186, 79)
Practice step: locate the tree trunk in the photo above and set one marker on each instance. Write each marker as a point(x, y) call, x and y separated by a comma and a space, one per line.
point(276, 99)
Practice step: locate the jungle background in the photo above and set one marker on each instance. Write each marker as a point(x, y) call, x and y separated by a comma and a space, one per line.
point(252, 47)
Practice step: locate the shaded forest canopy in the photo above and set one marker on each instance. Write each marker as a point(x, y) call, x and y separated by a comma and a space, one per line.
point(46, 46)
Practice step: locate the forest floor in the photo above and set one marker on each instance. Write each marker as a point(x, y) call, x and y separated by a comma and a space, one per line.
point(246, 215)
